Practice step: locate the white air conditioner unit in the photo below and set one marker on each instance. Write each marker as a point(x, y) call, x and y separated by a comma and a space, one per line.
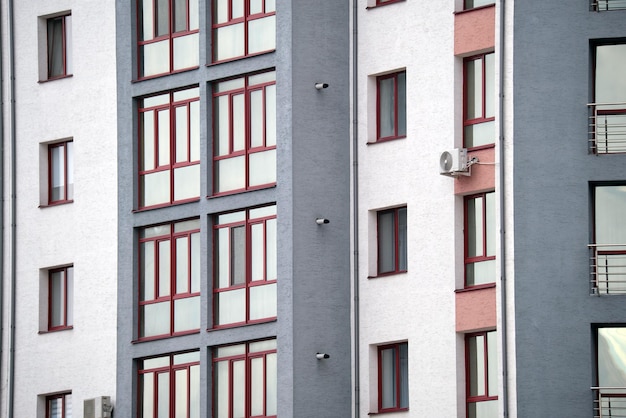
point(454, 163)
point(99, 407)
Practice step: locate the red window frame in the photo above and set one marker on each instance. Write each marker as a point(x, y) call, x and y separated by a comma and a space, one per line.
point(400, 385)
point(67, 180)
point(268, 8)
point(51, 52)
point(482, 253)
point(173, 162)
point(246, 149)
point(484, 397)
point(175, 288)
point(386, 2)
point(185, 366)
point(242, 353)
point(66, 404)
point(65, 319)
point(482, 112)
point(171, 35)
point(250, 281)
point(399, 106)
point(400, 260)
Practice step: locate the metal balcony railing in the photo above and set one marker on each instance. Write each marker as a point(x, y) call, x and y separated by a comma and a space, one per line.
point(609, 402)
point(606, 5)
point(607, 127)
point(607, 269)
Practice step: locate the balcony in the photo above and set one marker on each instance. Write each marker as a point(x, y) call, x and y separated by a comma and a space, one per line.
point(609, 402)
point(607, 127)
point(606, 5)
point(607, 269)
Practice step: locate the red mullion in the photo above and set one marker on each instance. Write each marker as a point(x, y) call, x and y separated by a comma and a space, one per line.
point(483, 197)
point(187, 106)
point(247, 115)
point(396, 99)
point(378, 80)
point(65, 184)
point(172, 139)
point(248, 255)
point(64, 46)
point(396, 239)
point(171, 49)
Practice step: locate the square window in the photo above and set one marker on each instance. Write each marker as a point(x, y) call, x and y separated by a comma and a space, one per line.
point(245, 272)
point(480, 239)
point(58, 35)
point(391, 106)
point(60, 298)
point(608, 248)
point(167, 36)
point(608, 112)
point(245, 380)
point(393, 377)
point(169, 386)
point(481, 374)
point(169, 279)
point(392, 241)
point(59, 405)
point(243, 28)
point(169, 148)
point(244, 133)
point(479, 100)
point(60, 172)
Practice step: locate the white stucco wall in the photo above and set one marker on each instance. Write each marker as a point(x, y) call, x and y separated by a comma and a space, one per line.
point(82, 107)
point(418, 306)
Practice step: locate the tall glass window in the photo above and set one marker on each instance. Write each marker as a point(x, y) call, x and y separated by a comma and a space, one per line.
point(391, 106)
point(393, 377)
point(479, 100)
point(480, 239)
point(481, 353)
point(392, 241)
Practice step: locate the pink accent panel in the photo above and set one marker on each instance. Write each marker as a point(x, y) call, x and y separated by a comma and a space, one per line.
point(476, 309)
point(483, 174)
point(474, 30)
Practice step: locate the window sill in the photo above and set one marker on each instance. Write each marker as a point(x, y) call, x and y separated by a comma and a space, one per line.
point(167, 205)
point(239, 324)
point(59, 203)
point(486, 6)
point(61, 77)
point(393, 273)
point(269, 51)
point(376, 6)
point(481, 147)
point(150, 77)
point(165, 336)
point(383, 140)
point(240, 191)
point(477, 287)
point(389, 412)
point(51, 331)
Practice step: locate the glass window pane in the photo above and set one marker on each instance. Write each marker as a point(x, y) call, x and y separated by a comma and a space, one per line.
point(187, 182)
point(147, 271)
point(164, 137)
point(476, 366)
point(163, 382)
point(610, 207)
point(257, 386)
point(490, 215)
point(262, 35)
point(256, 119)
point(69, 304)
point(229, 41)
point(147, 396)
point(492, 363)
point(155, 188)
point(612, 357)
point(386, 107)
point(271, 385)
point(256, 6)
point(231, 307)
point(222, 258)
point(263, 345)
point(610, 66)
point(270, 115)
point(186, 51)
point(194, 131)
point(182, 134)
point(57, 299)
point(182, 265)
point(238, 256)
point(69, 180)
point(271, 250)
point(486, 409)
point(162, 17)
point(180, 15)
point(164, 268)
point(181, 393)
point(187, 314)
point(57, 173)
point(194, 15)
point(263, 301)
point(490, 86)
point(262, 168)
point(402, 104)
point(147, 141)
point(270, 6)
point(404, 375)
point(386, 242)
point(194, 392)
point(474, 88)
point(221, 388)
point(155, 58)
point(155, 319)
point(481, 272)
point(220, 11)
point(475, 227)
point(480, 134)
point(146, 13)
point(239, 388)
point(388, 378)
point(195, 262)
point(222, 126)
point(257, 248)
point(239, 122)
point(402, 240)
point(55, 47)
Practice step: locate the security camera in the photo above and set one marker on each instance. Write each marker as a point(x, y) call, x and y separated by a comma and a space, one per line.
point(321, 221)
point(322, 356)
point(320, 86)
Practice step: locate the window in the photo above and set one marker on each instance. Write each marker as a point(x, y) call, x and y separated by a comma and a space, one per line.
point(393, 377)
point(245, 266)
point(244, 380)
point(480, 239)
point(471, 4)
point(59, 46)
point(391, 106)
point(168, 36)
point(243, 27)
point(244, 135)
point(60, 296)
point(392, 241)
point(169, 148)
point(608, 251)
point(479, 100)
point(610, 378)
point(609, 108)
point(605, 5)
point(169, 285)
point(60, 172)
point(384, 2)
point(482, 375)
point(59, 405)
point(169, 386)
